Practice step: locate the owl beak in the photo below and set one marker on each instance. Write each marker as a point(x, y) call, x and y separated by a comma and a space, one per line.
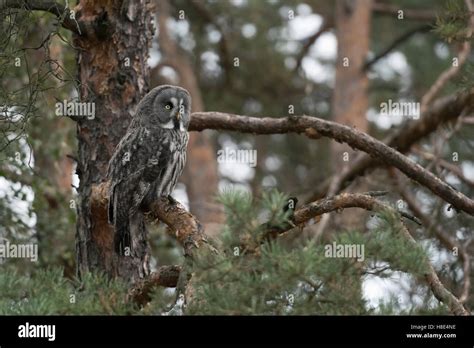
point(178, 116)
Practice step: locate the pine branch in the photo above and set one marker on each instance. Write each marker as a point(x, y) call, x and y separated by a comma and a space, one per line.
point(456, 170)
point(364, 201)
point(316, 127)
point(191, 235)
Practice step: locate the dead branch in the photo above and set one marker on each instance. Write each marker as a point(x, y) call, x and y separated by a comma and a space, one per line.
point(447, 241)
point(452, 71)
point(456, 170)
point(341, 133)
point(408, 13)
point(447, 75)
point(60, 11)
point(166, 276)
point(468, 120)
point(187, 230)
point(398, 41)
point(442, 111)
point(325, 26)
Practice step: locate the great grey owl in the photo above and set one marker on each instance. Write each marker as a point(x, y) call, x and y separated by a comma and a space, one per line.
point(148, 160)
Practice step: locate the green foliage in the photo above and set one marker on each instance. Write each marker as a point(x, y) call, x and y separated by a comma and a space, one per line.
point(277, 279)
point(451, 24)
point(245, 215)
point(392, 307)
point(162, 303)
point(388, 244)
point(47, 292)
point(465, 80)
point(272, 279)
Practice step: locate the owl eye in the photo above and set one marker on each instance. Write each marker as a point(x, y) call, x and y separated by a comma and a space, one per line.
point(168, 106)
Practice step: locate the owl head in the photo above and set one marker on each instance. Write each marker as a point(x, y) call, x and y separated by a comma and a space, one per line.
point(167, 107)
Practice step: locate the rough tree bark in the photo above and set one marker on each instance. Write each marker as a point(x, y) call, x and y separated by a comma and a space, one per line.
point(112, 73)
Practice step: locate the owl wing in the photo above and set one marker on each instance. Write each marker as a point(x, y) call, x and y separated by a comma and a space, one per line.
point(135, 165)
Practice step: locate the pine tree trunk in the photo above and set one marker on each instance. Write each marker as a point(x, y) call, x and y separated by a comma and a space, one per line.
point(350, 103)
point(112, 72)
point(350, 99)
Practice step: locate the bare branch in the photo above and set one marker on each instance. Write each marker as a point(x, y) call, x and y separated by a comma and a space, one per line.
point(327, 24)
point(9, 173)
point(447, 241)
point(453, 70)
point(468, 120)
point(166, 276)
point(340, 133)
point(63, 13)
point(456, 170)
point(224, 49)
point(398, 41)
point(445, 77)
point(393, 10)
point(188, 230)
point(442, 111)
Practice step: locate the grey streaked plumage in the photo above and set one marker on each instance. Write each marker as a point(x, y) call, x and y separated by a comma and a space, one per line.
point(149, 159)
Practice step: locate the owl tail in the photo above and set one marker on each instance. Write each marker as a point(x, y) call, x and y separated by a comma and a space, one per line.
point(126, 230)
point(122, 240)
